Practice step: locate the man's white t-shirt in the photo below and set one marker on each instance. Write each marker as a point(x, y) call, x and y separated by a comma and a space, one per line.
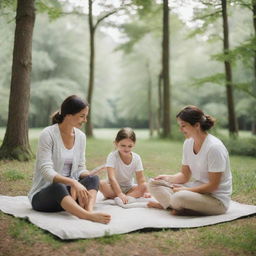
point(123, 172)
point(212, 157)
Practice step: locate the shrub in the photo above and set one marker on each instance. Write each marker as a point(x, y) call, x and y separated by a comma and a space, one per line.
point(241, 146)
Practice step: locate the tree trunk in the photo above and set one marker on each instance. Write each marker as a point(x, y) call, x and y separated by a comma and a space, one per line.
point(16, 143)
point(89, 130)
point(254, 64)
point(165, 64)
point(254, 25)
point(160, 107)
point(233, 130)
point(150, 111)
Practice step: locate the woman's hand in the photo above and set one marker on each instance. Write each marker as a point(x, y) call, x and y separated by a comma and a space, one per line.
point(178, 187)
point(162, 177)
point(78, 191)
point(123, 197)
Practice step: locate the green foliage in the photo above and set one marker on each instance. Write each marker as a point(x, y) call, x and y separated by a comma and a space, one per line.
point(61, 54)
point(208, 14)
point(245, 51)
point(147, 21)
point(144, 7)
point(246, 87)
point(241, 146)
point(136, 33)
point(52, 8)
point(218, 78)
point(8, 5)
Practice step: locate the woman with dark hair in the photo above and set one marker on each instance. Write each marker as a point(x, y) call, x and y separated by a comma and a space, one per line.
point(206, 160)
point(61, 181)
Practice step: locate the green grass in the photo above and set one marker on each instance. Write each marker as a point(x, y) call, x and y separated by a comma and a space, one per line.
point(109, 239)
point(12, 175)
point(237, 238)
point(158, 156)
point(22, 230)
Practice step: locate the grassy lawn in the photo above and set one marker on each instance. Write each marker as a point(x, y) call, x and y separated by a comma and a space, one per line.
point(19, 237)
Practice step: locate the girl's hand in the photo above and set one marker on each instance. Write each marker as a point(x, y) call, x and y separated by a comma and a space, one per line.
point(147, 195)
point(162, 177)
point(123, 197)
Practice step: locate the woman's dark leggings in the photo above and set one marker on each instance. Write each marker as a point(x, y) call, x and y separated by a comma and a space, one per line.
point(49, 198)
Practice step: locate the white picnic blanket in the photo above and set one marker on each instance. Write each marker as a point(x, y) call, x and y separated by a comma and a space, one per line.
point(124, 220)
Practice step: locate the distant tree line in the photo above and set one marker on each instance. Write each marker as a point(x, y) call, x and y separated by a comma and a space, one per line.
point(161, 65)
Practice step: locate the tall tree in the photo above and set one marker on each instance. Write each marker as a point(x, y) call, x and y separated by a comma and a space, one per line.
point(254, 62)
point(254, 26)
point(150, 107)
point(165, 71)
point(246, 52)
point(92, 28)
point(233, 129)
point(16, 144)
point(212, 11)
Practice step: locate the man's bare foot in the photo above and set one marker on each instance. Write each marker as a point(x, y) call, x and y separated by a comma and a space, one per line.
point(100, 217)
point(152, 204)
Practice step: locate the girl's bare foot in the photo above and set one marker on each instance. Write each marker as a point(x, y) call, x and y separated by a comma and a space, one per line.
point(100, 217)
point(152, 204)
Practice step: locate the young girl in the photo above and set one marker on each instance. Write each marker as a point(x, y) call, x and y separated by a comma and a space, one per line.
point(121, 165)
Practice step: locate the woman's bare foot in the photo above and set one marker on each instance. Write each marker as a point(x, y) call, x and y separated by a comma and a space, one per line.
point(99, 217)
point(152, 204)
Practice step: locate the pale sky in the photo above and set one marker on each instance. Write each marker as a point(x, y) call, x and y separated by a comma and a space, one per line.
point(184, 9)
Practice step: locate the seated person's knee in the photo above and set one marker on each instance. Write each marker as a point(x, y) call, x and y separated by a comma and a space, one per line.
point(179, 199)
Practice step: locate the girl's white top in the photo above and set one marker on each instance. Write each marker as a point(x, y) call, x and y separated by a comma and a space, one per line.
point(212, 157)
point(123, 172)
point(50, 158)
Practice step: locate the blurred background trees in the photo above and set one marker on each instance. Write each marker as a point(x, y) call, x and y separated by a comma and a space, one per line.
point(128, 85)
